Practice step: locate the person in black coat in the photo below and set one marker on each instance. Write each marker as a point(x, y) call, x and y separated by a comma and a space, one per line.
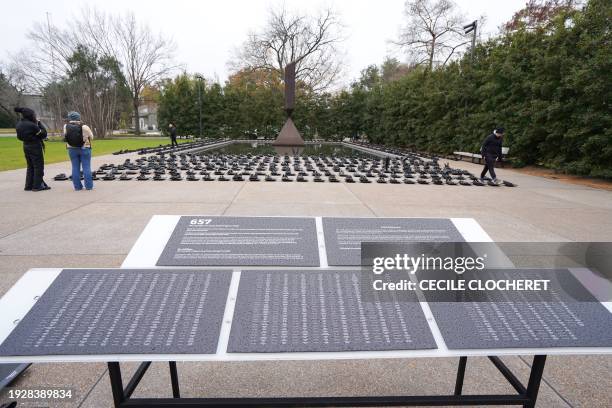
point(32, 133)
point(491, 151)
point(173, 134)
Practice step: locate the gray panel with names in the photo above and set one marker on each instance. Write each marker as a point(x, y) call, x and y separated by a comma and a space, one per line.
point(242, 241)
point(343, 236)
point(322, 310)
point(505, 319)
point(111, 311)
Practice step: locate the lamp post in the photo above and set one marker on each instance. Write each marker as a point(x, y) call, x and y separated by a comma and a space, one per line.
point(200, 79)
point(472, 28)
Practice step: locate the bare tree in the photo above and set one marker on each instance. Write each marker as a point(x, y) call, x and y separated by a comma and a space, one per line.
point(146, 57)
point(433, 32)
point(44, 62)
point(309, 41)
point(143, 55)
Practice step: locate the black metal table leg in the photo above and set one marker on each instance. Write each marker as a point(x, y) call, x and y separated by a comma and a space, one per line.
point(460, 375)
point(174, 380)
point(114, 374)
point(535, 378)
point(525, 397)
point(135, 380)
point(508, 374)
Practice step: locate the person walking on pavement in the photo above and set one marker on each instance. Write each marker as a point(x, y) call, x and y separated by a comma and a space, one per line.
point(78, 137)
point(173, 134)
point(32, 133)
point(491, 151)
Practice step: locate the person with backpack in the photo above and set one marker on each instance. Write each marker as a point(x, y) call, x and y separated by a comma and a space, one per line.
point(78, 139)
point(173, 134)
point(32, 133)
point(491, 151)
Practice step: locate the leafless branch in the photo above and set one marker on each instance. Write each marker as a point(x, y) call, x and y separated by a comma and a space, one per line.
point(311, 42)
point(433, 32)
point(144, 56)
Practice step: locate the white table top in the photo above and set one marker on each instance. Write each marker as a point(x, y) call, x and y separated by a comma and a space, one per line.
point(23, 295)
point(16, 303)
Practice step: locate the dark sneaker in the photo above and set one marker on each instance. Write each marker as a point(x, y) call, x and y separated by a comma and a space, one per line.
point(43, 188)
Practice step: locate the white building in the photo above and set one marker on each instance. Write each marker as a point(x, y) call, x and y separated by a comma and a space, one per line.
point(147, 117)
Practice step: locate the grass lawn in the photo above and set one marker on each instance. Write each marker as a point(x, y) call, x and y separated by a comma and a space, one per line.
point(11, 149)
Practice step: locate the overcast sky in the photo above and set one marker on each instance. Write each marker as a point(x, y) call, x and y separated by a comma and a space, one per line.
point(207, 31)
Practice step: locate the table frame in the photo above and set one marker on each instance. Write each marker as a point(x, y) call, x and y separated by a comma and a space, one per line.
point(525, 396)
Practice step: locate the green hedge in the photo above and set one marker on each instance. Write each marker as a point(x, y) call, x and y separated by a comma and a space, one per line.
point(550, 88)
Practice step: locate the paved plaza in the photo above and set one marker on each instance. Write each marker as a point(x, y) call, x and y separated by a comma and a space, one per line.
point(63, 228)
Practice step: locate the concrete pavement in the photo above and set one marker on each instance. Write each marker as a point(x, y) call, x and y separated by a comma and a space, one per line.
point(63, 228)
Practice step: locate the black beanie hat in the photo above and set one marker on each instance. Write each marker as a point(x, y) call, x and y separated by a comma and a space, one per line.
point(27, 113)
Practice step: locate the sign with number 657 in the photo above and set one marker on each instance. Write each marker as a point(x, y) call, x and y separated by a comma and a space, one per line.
point(200, 221)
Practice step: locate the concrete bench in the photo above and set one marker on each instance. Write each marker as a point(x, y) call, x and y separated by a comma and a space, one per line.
point(473, 157)
point(477, 157)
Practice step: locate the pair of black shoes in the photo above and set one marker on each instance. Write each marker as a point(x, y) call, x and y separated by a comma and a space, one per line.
point(42, 187)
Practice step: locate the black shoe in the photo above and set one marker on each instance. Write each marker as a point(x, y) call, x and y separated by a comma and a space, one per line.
point(27, 189)
point(42, 188)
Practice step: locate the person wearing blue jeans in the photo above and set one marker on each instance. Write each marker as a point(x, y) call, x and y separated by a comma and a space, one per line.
point(81, 158)
point(78, 139)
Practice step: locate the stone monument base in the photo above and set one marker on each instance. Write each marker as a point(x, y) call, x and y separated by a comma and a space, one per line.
point(289, 135)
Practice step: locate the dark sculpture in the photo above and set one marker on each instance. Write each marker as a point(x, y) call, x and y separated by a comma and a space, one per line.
point(289, 135)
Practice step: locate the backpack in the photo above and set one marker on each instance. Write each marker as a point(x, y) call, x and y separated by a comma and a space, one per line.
point(74, 135)
point(26, 131)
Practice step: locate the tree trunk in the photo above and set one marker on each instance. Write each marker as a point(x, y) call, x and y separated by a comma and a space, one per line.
point(136, 104)
point(432, 53)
